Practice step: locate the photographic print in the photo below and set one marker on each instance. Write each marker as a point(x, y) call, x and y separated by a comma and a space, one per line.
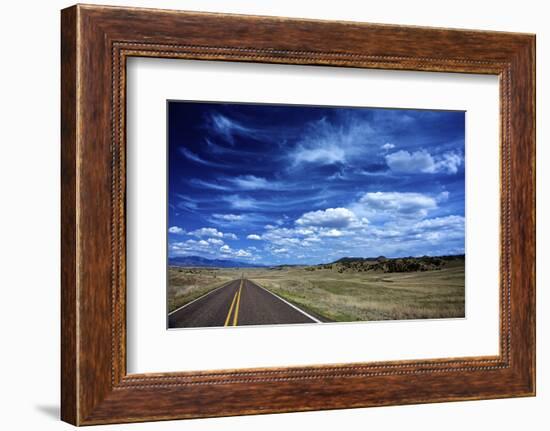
point(294, 214)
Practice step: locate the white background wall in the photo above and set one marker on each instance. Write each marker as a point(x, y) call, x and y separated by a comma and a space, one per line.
point(29, 214)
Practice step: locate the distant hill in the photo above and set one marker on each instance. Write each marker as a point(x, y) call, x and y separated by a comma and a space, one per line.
point(198, 261)
point(384, 264)
point(361, 259)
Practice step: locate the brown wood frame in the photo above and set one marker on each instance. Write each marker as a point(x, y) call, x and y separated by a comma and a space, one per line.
point(95, 43)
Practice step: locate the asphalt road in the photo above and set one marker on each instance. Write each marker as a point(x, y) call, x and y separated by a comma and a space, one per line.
point(239, 302)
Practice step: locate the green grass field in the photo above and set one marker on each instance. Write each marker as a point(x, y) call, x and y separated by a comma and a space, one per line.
point(341, 297)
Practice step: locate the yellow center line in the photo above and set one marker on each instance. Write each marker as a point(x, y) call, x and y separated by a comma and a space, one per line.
point(231, 309)
point(236, 316)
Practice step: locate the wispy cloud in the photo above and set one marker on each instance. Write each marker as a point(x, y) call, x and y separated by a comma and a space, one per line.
point(241, 182)
point(252, 182)
point(224, 150)
point(314, 184)
point(268, 204)
point(209, 185)
point(326, 143)
point(197, 159)
point(185, 203)
point(238, 221)
point(241, 202)
point(228, 128)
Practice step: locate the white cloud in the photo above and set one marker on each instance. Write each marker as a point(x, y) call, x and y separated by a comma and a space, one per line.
point(327, 155)
point(190, 246)
point(283, 236)
point(289, 241)
point(254, 237)
point(215, 241)
point(311, 239)
point(211, 232)
point(314, 226)
point(331, 217)
point(449, 162)
point(176, 230)
point(447, 233)
point(225, 249)
point(280, 250)
point(397, 204)
point(423, 162)
point(208, 247)
point(403, 161)
point(228, 217)
point(387, 146)
point(207, 232)
point(447, 222)
point(331, 233)
point(228, 251)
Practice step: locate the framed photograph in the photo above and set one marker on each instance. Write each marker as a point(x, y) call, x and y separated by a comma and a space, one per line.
point(270, 205)
point(266, 215)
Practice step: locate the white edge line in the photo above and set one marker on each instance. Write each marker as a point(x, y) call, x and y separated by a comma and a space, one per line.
point(288, 303)
point(200, 297)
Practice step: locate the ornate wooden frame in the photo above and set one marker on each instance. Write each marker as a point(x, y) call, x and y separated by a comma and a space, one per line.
point(95, 43)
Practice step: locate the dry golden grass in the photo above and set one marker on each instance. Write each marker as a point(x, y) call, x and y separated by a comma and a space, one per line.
point(363, 296)
point(187, 284)
point(340, 297)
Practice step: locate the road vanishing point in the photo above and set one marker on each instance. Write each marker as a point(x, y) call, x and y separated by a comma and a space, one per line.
point(237, 303)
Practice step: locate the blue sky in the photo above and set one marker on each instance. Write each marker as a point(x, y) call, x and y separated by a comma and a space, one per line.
point(274, 184)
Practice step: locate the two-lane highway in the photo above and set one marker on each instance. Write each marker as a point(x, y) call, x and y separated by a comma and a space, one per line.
point(239, 302)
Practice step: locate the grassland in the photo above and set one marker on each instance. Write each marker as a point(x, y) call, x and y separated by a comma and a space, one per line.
point(187, 284)
point(346, 296)
point(362, 296)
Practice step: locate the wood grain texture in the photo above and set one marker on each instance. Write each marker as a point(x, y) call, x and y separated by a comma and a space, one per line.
point(69, 397)
point(96, 41)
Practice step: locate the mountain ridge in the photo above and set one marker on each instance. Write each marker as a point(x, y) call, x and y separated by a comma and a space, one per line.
point(198, 261)
point(398, 264)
